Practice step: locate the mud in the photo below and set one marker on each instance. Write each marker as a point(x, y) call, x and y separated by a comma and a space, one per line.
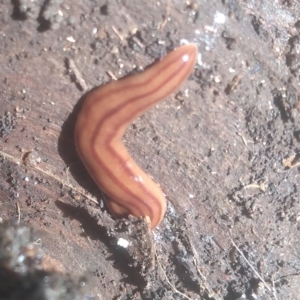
point(225, 148)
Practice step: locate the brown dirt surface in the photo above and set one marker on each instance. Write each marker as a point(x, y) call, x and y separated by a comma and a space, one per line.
point(225, 148)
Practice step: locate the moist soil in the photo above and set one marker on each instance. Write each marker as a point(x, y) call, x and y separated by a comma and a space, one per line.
point(225, 148)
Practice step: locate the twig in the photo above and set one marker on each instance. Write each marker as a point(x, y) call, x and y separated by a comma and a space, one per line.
point(66, 184)
point(141, 45)
point(274, 289)
point(118, 34)
point(244, 139)
point(247, 261)
point(209, 289)
point(77, 74)
point(260, 186)
point(19, 213)
point(38, 241)
point(112, 76)
point(50, 174)
point(168, 281)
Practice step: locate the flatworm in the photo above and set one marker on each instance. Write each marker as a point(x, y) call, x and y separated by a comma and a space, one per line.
point(106, 113)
